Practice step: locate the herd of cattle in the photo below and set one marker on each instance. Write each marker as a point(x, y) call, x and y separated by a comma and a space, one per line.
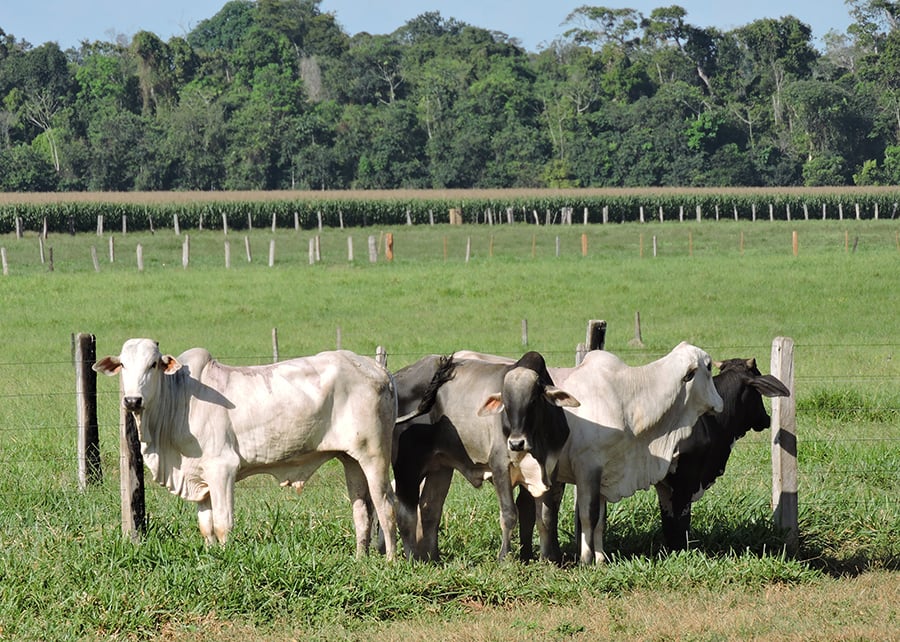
point(606, 427)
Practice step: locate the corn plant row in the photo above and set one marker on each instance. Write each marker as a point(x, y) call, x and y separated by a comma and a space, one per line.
point(577, 207)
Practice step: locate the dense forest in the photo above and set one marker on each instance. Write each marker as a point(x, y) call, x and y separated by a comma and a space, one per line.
point(273, 94)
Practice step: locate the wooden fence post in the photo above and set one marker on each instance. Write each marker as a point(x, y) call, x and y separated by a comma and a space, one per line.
point(5, 262)
point(524, 332)
point(638, 340)
point(784, 446)
point(275, 345)
point(84, 355)
point(381, 356)
point(594, 339)
point(131, 479)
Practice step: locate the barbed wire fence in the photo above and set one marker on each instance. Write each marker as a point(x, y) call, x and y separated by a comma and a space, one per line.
point(40, 455)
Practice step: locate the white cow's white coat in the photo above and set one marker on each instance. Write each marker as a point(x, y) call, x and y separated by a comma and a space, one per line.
point(625, 434)
point(204, 425)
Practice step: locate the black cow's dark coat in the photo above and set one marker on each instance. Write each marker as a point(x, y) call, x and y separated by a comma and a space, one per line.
point(450, 435)
point(703, 456)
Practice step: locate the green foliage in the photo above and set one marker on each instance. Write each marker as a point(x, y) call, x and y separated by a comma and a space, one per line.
point(824, 169)
point(619, 99)
point(870, 174)
point(26, 169)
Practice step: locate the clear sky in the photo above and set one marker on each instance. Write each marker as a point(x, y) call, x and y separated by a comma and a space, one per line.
point(533, 22)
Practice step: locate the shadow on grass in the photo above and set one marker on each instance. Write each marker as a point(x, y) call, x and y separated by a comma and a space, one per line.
point(758, 537)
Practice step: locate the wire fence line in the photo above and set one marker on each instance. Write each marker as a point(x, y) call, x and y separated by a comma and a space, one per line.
point(62, 395)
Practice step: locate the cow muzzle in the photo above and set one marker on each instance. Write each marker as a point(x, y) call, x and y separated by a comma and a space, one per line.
point(518, 444)
point(133, 404)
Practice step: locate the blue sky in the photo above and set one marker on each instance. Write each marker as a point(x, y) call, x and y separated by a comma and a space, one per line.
point(533, 22)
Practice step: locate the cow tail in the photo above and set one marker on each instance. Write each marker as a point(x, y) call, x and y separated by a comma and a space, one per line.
point(445, 372)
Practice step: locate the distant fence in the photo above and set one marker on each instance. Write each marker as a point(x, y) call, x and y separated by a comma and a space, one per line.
point(783, 429)
point(381, 248)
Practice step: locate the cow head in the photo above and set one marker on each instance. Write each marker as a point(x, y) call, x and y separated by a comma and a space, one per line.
point(522, 391)
point(743, 386)
point(698, 380)
point(141, 365)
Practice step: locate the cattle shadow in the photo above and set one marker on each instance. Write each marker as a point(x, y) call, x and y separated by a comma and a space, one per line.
point(635, 537)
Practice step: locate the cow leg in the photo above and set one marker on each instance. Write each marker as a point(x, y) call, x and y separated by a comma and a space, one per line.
point(358, 491)
point(592, 516)
point(384, 500)
point(220, 479)
point(599, 528)
point(407, 482)
point(431, 506)
point(548, 522)
point(675, 515)
point(527, 507)
point(205, 520)
point(508, 514)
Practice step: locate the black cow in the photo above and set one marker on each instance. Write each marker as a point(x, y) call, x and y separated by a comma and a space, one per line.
point(705, 453)
point(502, 422)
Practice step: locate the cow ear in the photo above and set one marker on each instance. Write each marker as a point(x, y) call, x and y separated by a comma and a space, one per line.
point(108, 365)
point(718, 364)
point(770, 386)
point(559, 397)
point(493, 405)
point(169, 364)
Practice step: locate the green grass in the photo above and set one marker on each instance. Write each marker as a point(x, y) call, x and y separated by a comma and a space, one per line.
point(66, 572)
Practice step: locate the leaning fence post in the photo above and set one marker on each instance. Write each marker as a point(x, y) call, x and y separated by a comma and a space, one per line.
point(131, 478)
point(84, 356)
point(784, 446)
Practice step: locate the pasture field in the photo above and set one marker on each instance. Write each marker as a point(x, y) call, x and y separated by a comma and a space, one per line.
point(289, 573)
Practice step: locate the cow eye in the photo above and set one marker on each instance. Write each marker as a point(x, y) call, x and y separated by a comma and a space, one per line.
point(689, 375)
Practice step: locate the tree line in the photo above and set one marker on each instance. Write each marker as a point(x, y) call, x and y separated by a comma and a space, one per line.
point(273, 94)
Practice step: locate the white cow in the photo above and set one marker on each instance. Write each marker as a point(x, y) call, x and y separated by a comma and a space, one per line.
point(624, 436)
point(204, 425)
